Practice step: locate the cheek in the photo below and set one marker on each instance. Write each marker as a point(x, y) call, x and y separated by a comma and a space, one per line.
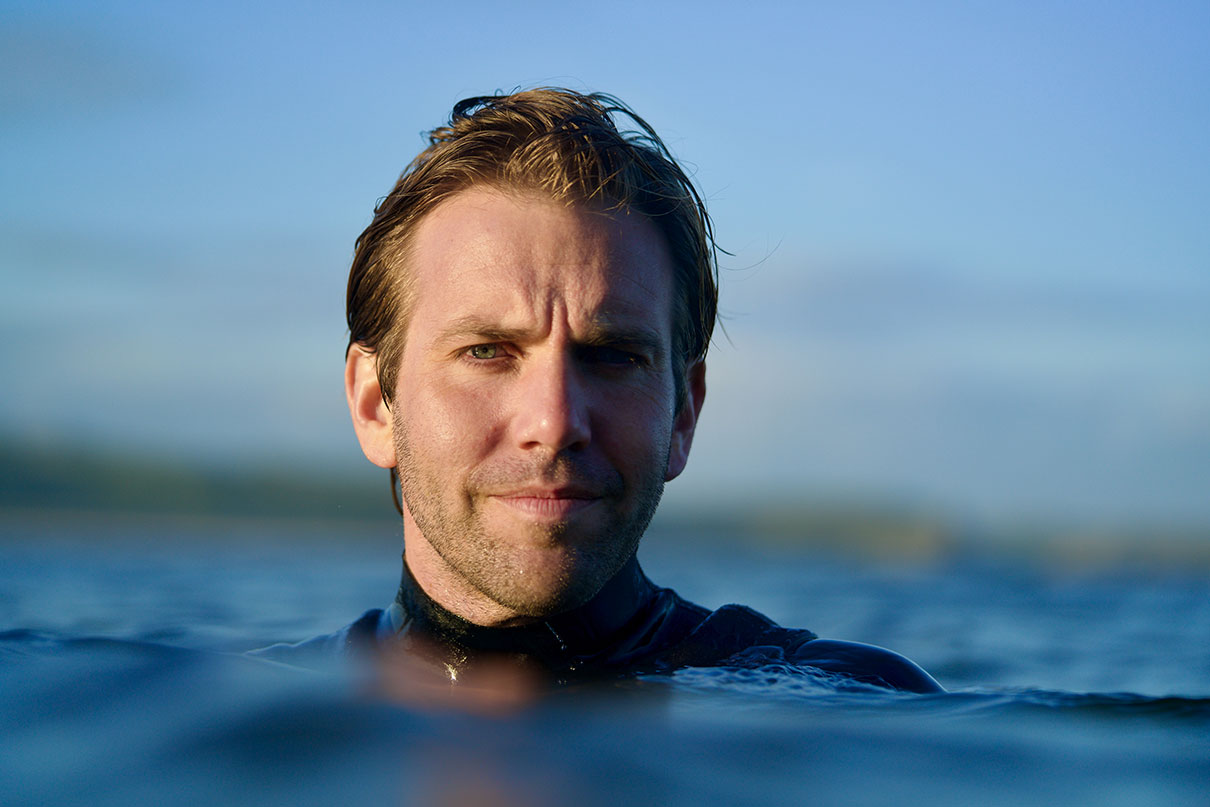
point(459, 422)
point(640, 423)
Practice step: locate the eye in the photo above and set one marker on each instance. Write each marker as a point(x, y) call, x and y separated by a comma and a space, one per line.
point(602, 354)
point(484, 352)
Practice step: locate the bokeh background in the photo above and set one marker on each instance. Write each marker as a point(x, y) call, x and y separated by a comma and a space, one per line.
point(968, 288)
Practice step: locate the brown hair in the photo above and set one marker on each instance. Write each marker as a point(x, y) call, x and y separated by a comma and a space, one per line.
point(564, 145)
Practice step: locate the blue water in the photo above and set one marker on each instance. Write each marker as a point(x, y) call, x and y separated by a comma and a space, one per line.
point(121, 683)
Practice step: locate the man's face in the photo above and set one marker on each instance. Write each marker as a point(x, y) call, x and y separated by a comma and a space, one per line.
point(533, 420)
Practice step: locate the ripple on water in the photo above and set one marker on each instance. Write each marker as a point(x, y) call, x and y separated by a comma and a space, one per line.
point(114, 722)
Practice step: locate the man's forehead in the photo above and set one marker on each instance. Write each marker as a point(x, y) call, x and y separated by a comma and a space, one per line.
point(488, 219)
point(497, 258)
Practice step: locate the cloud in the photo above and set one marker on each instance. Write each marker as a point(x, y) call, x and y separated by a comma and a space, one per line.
point(979, 393)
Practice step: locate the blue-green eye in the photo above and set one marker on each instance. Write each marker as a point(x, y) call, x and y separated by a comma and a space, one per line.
point(484, 352)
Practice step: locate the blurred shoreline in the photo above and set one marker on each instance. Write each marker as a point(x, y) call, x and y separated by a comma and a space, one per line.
point(113, 494)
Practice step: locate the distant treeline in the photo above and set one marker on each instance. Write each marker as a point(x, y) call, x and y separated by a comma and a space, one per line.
point(92, 480)
point(36, 481)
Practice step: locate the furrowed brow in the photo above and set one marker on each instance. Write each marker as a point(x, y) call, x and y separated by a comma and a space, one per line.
point(604, 333)
point(638, 338)
point(478, 328)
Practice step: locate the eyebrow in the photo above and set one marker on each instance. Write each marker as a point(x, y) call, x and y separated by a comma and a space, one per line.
point(601, 334)
point(478, 328)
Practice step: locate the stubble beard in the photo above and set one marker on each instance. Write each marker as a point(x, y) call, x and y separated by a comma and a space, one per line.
point(491, 564)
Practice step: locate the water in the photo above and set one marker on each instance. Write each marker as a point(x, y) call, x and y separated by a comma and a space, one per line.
point(122, 684)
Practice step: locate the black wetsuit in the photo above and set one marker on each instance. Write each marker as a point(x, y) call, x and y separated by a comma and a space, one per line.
point(630, 626)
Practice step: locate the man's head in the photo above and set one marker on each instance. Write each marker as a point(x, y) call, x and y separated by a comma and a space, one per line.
point(529, 313)
point(553, 143)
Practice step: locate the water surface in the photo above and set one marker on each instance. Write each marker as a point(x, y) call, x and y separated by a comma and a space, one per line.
point(123, 683)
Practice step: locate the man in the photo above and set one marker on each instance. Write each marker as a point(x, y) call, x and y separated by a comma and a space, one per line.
point(529, 314)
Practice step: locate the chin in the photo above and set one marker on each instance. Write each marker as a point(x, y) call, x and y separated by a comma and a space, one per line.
point(538, 601)
point(550, 586)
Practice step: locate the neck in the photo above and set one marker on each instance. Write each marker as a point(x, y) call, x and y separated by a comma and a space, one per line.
point(556, 640)
point(446, 586)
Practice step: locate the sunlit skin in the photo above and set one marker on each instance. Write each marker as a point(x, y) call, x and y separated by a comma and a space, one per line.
point(534, 422)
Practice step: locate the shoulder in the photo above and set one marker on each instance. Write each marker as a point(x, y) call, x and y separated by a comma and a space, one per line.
point(867, 663)
point(738, 634)
point(711, 638)
point(325, 649)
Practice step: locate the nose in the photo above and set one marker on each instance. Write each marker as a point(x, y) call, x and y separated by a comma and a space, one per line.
point(552, 406)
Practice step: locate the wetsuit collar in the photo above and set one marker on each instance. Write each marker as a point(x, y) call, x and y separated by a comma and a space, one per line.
point(576, 634)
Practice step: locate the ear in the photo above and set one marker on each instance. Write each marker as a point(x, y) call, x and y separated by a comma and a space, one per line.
point(371, 417)
point(686, 420)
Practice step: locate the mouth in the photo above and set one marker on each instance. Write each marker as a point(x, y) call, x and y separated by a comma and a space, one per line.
point(548, 504)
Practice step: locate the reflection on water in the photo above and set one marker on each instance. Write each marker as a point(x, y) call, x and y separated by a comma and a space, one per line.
point(107, 722)
point(122, 684)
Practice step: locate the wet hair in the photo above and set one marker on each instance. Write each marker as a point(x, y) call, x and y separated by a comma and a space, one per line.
point(558, 144)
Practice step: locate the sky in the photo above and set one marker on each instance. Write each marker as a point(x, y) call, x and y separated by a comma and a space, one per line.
point(968, 270)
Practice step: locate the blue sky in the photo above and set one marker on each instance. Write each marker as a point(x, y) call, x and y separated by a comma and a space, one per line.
point(970, 263)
